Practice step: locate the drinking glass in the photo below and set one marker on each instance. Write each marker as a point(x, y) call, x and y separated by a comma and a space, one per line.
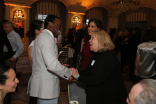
point(74, 100)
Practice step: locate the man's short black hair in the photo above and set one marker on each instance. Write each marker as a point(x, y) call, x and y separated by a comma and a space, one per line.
point(49, 18)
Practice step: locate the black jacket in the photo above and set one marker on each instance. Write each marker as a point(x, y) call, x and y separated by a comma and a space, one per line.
point(4, 41)
point(104, 81)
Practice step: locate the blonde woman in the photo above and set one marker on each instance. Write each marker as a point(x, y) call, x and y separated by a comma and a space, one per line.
point(102, 76)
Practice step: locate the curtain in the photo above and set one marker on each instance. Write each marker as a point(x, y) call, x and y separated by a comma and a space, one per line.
point(99, 13)
point(142, 14)
point(47, 7)
point(2, 10)
point(122, 20)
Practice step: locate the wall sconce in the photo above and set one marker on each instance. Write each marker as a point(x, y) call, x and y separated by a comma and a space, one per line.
point(18, 18)
point(76, 21)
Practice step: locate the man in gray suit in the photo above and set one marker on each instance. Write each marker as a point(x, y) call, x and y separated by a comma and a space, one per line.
point(44, 81)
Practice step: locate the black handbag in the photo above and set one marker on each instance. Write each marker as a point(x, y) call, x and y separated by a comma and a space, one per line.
point(79, 60)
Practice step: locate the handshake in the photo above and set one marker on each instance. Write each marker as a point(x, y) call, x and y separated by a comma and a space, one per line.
point(74, 73)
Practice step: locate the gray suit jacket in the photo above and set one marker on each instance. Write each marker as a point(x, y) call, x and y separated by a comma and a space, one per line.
point(44, 81)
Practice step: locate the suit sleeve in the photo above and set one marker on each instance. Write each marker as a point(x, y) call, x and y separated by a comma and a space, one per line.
point(50, 58)
point(19, 45)
point(9, 47)
point(104, 68)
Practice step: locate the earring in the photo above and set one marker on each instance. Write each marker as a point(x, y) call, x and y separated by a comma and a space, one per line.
point(2, 94)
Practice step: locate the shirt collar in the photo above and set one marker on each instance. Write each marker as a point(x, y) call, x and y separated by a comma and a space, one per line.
point(11, 32)
point(52, 35)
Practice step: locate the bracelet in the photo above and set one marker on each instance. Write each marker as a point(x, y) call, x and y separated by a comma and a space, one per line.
point(77, 76)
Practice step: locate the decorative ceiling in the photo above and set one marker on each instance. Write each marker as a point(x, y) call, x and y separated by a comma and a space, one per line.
point(20, 2)
point(84, 5)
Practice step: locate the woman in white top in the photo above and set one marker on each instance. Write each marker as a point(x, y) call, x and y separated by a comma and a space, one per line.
point(144, 63)
point(36, 28)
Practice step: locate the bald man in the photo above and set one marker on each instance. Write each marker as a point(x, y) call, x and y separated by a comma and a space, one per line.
point(143, 92)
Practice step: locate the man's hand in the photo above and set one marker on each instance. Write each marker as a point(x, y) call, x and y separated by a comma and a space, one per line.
point(12, 59)
point(66, 65)
point(75, 73)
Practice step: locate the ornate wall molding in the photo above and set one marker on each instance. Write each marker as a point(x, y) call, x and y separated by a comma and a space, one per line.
point(20, 2)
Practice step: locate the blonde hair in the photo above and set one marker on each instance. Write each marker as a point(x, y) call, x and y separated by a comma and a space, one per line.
point(105, 42)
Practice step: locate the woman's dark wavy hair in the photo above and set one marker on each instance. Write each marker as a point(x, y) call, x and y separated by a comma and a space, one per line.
point(36, 24)
point(149, 35)
point(99, 25)
point(3, 77)
point(97, 22)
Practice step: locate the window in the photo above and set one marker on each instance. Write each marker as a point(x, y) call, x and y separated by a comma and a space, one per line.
point(42, 17)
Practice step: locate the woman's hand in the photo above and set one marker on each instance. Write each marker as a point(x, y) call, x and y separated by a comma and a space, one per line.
point(75, 73)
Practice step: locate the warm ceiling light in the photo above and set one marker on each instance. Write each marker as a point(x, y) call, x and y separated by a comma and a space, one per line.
point(76, 21)
point(18, 18)
point(125, 4)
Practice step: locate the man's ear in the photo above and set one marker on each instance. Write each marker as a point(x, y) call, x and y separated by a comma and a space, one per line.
point(36, 31)
point(50, 24)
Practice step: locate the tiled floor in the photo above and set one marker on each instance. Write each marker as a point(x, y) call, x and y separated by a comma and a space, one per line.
point(22, 97)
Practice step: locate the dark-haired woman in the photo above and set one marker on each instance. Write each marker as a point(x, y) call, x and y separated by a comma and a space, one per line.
point(36, 28)
point(8, 81)
point(94, 25)
point(144, 63)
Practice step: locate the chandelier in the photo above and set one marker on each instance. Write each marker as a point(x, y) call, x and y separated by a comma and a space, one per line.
point(125, 4)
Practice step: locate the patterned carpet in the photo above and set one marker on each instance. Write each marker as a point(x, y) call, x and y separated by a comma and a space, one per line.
point(24, 67)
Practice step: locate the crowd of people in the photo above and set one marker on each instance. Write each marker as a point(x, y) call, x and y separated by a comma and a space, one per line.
point(103, 58)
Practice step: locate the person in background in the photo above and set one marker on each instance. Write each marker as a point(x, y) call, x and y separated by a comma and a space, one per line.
point(8, 82)
point(71, 35)
point(16, 43)
point(94, 25)
point(4, 41)
point(151, 27)
point(124, 50)
point(117, 40)
point(112, 33)
point(133, 44)
point(65, 43)
point(143, 92)
point(144, 62)
point(79, 36)
point(44, 83)
point(36, 28)
point(102, 76)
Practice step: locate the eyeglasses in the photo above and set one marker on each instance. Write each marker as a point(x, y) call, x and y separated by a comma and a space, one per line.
point(59, 31)
point(6, 26)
